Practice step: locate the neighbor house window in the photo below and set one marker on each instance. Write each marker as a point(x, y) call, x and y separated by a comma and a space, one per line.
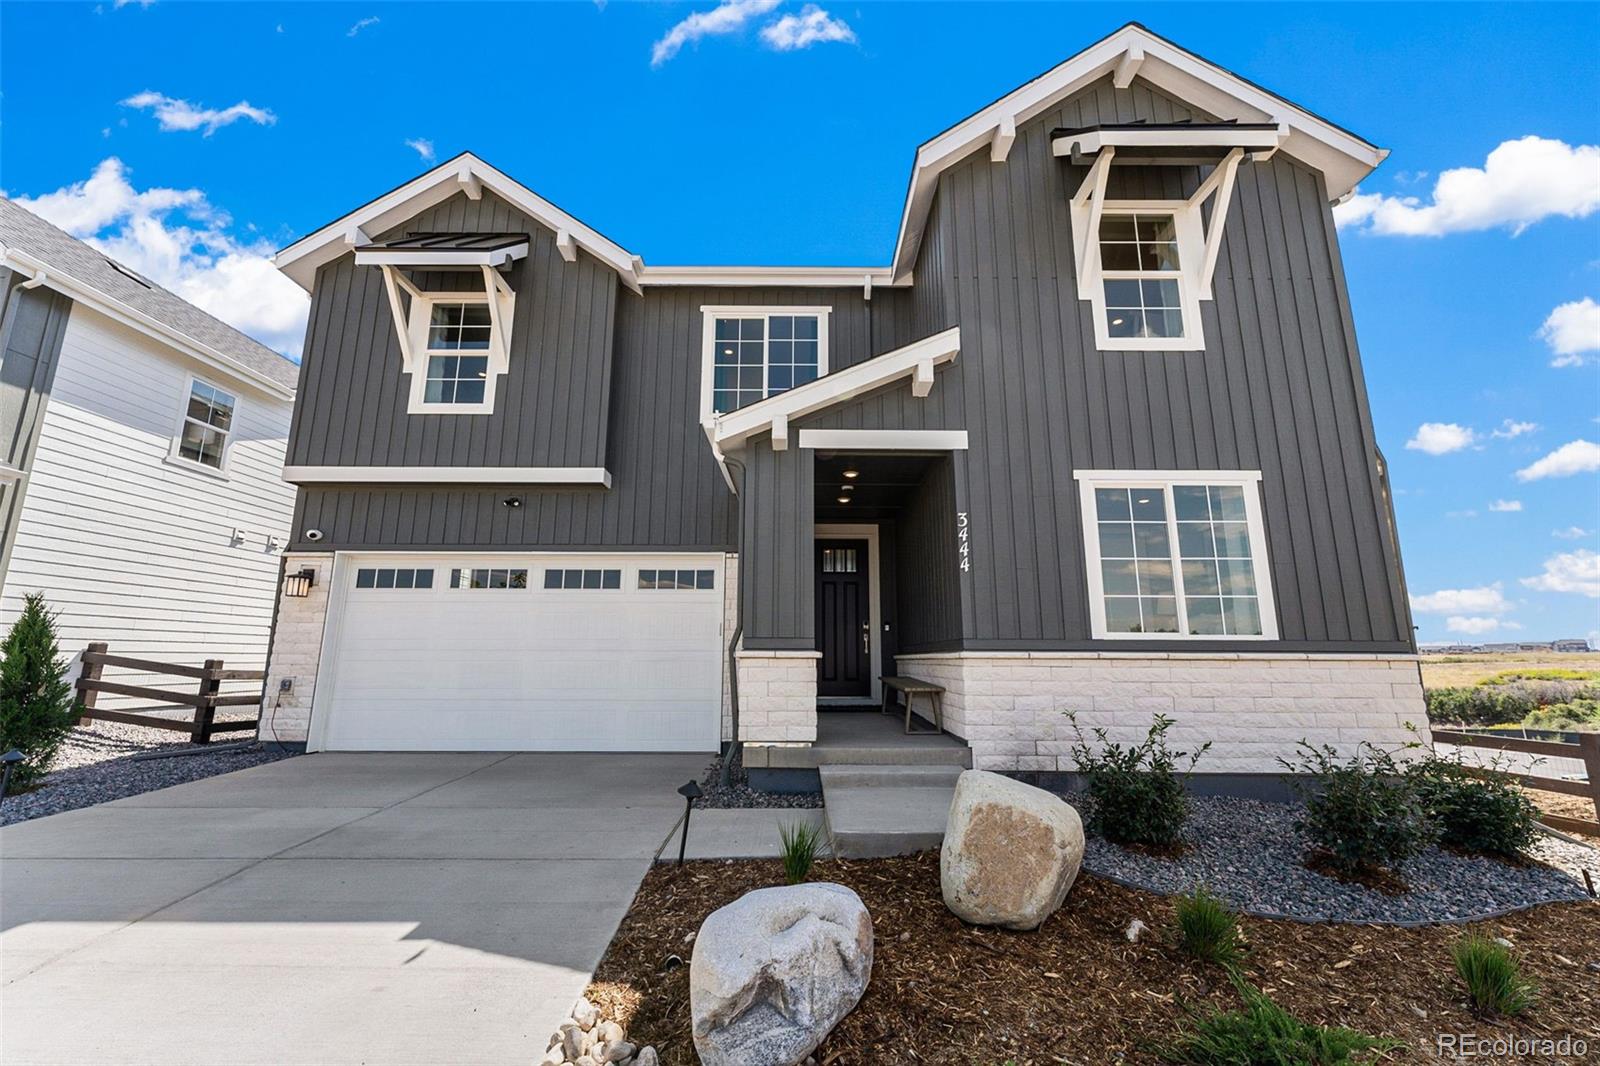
point(1179, 557)
point(677, 579)
point(206, 426)
point(754, 353)
point(489, 578)
point(393, 578)
point(582, 579)
point(455, 375)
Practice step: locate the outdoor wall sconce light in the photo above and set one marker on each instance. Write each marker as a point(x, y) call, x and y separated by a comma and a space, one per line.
point(298, 584)
point(512, 502)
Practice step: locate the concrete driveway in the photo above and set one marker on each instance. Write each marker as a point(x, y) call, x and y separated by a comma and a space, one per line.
point(334, 908)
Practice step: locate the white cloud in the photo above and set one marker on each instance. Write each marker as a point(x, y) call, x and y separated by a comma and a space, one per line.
point(1575, 571)
point(173, 114)
point(1576, 457)
point(1520, 183)
point(812, 26)
point(1441, 438)
point(422, 146)
point(1573, 332)
point(1510, 429)
point(176, 238)
point(1506, 505)
point(1485, 599)
point(1475, 625)
point(730, 16)
point(1572, 533)
point(361, 24)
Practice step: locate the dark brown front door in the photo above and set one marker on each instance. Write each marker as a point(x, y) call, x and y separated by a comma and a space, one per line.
point(843, 619)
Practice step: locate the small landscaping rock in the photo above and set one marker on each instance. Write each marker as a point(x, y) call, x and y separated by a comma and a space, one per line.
point(1135, 930)
point(774, 971)
point(1010, 853)
point(585, 1013)
point(647, 1057)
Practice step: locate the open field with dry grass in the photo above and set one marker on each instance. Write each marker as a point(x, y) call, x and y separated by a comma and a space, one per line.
point(1455, 671)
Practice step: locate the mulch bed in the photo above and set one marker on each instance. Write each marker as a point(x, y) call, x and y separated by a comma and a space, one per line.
point(1563, 804)
point(1076, 991)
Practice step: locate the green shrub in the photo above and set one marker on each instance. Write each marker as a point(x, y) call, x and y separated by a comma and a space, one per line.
point(1364, 811)
point(1489, 816)
point(1493, 979)
point(1573, 715)
point(1506, 701)
point(1265, 1034)
point(1207, 929)
point(800, 841)
point(1136, 792)
point(1542, 674)
point(36, 701)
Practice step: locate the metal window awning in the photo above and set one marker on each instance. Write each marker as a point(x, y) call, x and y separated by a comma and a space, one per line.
point(445, 250)
point(1167, 143)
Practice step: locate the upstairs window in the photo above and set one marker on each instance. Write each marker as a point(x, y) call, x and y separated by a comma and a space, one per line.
point(206, 425)
point(1140, 267)
point(754, 353)
point(454, 376)
point(1176, 558)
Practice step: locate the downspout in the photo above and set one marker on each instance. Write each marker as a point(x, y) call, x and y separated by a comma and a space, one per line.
point(738, 630)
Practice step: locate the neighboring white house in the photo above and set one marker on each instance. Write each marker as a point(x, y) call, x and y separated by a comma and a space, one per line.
point(141, 457)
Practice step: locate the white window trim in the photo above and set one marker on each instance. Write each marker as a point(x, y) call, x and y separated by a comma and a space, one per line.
point(414, 354)
point(708, 329)
point(1248, 480)
point(1191, 256)
point(175, 458)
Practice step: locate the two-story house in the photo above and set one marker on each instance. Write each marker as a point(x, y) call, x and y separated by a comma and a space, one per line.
point(141, 460)
point(1095, 439)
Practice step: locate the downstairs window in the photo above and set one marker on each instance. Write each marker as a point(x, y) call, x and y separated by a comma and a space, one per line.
point(1183, 557)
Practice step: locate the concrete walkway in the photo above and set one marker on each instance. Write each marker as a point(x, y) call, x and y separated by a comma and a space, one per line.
point(335, 908)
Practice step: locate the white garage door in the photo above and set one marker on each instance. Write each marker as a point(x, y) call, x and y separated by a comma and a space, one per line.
point(524, 653)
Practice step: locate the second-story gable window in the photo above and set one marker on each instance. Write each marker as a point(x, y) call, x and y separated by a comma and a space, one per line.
point(754, 353)
point(455, 375)
point(1141, 269)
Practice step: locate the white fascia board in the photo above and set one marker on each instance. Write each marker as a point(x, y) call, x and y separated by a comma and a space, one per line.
point(1343, 157)
point(448, 475)
point(1089, 143)
point(301, 259)
point(732, 277)
point(111, 307)
point(735, 427)
point(885, 440)
point(444, 257)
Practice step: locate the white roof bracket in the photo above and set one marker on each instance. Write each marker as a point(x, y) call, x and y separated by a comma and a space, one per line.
point(469, 182)
point(566, 245)
point(392, 281)
point(1005, 135)
point(1220, 181)
point(1128, 67)
point(780, 433)
point(922, 379)
point(1091, 197)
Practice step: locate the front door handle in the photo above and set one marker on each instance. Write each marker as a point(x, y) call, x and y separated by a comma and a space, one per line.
point(866, 637)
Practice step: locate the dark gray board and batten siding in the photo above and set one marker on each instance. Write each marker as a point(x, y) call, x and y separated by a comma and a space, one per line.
point(1278, 389)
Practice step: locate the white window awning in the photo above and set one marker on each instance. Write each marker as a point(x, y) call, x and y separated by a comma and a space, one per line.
point(445, 251)
point(1168, 143)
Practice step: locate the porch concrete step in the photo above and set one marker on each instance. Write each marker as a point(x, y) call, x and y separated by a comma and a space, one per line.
point(875, 811)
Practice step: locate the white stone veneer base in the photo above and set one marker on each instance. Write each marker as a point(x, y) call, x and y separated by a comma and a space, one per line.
point(296, 650)
point(778, 696)
point(1010, 707)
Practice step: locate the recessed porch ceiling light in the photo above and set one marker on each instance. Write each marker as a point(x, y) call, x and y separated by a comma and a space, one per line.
point(847, 488)
point(844, 499)
point(852, 473)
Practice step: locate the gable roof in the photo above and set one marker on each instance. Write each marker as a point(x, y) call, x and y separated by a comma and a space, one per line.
point(1131, 51)
point(31, 246)
point(464, 173)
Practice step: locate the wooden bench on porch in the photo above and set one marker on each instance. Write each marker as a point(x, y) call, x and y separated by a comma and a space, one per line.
point(911, 688)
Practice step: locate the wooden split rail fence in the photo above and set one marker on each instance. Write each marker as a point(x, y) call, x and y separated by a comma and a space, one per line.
point(200, 702)
point(1586, 751)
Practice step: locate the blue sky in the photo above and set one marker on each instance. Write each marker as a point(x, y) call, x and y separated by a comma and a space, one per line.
point(190, 139)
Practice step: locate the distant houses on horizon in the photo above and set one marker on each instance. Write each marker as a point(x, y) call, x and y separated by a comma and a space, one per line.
point(1569, 645)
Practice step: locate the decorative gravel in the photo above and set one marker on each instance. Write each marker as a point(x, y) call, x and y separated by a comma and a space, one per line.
point(1249, 853)
point(738, 795)
point(96, 765)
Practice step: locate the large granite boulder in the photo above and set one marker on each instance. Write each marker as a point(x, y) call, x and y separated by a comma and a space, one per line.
point(775, 970)
point(1011, 852)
